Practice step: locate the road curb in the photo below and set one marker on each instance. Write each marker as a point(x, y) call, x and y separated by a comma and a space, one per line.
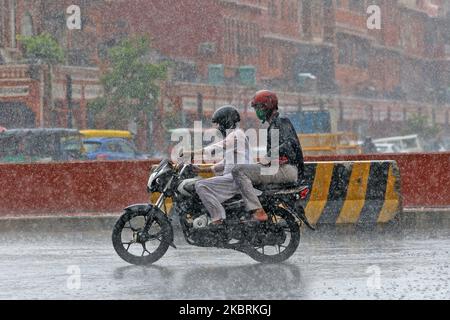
point(425, 217)
point(60, 223)
point(410, 218)
point(63, 223)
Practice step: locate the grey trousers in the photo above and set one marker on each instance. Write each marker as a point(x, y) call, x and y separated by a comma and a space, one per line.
point(247, 175)
point(214, 191)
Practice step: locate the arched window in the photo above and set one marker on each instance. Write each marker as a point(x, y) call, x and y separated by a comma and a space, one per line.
point(27, 25)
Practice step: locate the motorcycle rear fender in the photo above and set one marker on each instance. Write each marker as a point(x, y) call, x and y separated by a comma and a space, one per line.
point(299, 212)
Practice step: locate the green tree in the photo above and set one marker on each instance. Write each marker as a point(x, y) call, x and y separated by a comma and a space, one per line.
point(131, 83)
point(419, 124)
point(43, 49)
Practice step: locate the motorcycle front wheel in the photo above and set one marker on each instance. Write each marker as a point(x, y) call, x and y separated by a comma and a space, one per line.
point(135, 247)
point(286, 231)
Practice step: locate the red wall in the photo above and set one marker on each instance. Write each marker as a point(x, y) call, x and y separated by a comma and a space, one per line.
point(102, 187)
point(425, 178)
point(72, 187)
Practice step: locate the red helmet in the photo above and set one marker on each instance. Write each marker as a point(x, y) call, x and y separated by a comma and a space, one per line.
point(266, 100)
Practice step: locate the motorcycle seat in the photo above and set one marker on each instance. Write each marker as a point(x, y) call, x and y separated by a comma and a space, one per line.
point(272, 189)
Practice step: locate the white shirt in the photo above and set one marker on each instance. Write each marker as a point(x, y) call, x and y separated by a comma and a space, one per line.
point(234, 149)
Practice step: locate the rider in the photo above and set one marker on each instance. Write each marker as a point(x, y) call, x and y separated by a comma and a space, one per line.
point(216, 190)
point(290, 159)
point(368, 146)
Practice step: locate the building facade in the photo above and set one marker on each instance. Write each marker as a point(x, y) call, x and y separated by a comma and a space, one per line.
point(314, 53)
point(22, 82)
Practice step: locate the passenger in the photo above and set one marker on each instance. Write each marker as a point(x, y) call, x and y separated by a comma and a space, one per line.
point(368, 146)
point(290, 160)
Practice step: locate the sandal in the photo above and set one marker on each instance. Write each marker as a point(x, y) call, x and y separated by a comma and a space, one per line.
point(217, 225)
point(257, 217)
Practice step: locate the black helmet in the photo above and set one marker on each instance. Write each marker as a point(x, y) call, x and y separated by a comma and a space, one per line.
point(226, 117)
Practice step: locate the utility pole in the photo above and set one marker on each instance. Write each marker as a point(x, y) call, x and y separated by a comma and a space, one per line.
point(41, 95)
point(200, 105)
point(69, 100)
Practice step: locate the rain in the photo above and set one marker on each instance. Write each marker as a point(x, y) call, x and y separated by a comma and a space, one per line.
point(224, 150)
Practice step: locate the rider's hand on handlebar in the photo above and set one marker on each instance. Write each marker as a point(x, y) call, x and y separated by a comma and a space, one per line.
point(202, 169)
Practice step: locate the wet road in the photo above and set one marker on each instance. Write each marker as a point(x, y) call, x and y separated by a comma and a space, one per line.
point(328, 265)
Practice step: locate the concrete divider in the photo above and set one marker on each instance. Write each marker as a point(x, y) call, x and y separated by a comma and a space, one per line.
point(425, 177)
point(103, 187)
point(358, 192)
point(76, 187)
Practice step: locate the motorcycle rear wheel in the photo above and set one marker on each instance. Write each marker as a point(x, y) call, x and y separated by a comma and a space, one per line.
point(292, 236)
point(131, 224)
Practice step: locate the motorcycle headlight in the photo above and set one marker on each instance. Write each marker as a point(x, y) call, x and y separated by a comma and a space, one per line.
point(157, 184)
point(150, 181)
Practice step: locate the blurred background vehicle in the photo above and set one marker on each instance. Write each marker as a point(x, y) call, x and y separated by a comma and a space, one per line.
point(318, 134)
point(329, 143)
point(106, 134)
point(368, 146)
point(387, 148)
point(110, 149)
point(40, 145)
point(404, 144)
point(110, 145)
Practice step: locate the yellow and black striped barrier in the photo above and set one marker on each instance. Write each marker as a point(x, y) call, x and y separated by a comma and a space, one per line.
point(360, 192)
point(357, 192)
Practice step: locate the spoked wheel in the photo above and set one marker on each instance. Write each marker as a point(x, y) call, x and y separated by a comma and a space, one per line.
point(135, 246)
point(276, 240)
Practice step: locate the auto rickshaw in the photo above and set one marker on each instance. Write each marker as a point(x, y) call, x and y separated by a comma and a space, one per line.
point(87, 134)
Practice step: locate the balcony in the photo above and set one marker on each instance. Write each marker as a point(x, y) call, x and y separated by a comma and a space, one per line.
point(425, 7)
point(245, 4)
point(14, 72)
point(447, 50)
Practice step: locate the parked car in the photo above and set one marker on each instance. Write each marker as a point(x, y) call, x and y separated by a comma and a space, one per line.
point(111, 149)
point(405, 144)
point(40, 145)
point(387, 148)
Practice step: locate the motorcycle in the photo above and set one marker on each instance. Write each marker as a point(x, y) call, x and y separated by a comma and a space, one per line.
point(144, 232)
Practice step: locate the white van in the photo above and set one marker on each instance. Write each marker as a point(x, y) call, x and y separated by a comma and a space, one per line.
point(405, 144)
point(386, 148)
